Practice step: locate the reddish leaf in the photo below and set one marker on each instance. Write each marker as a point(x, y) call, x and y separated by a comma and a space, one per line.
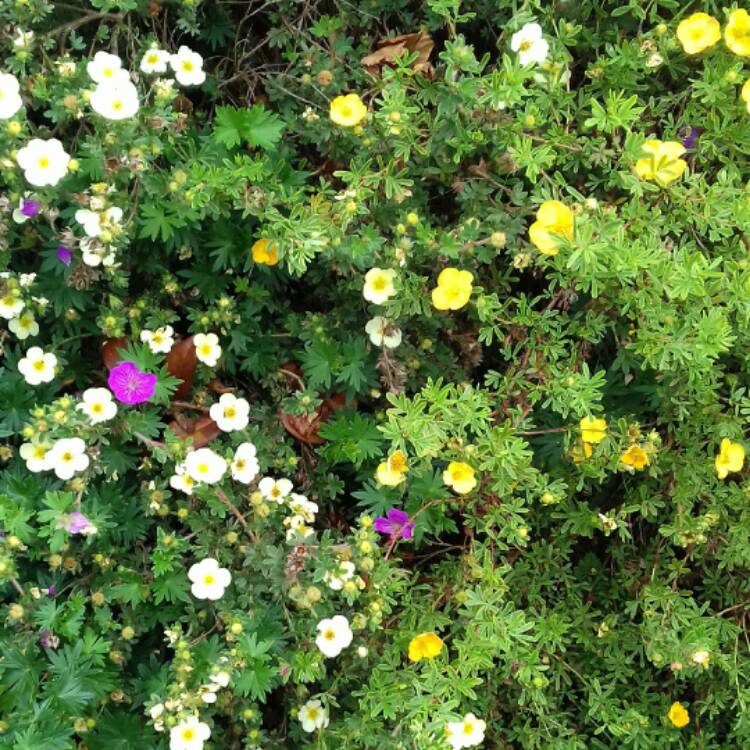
point(110, 357)
point(202, 430)
point(306, 428)
point(391, 49)
point(181, 362)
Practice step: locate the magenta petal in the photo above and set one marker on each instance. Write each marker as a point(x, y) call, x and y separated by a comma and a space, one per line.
point(383, 526)
point(407, 532)
point(78, 523)
point(397, 517)
point(131, 385)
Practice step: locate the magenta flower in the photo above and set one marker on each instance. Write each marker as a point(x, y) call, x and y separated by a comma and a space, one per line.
point(76, 523)
point(29, 208)
point(395, 524)
point(64, 254)
point(131, 385)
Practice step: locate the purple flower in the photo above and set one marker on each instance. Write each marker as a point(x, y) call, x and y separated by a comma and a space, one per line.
point(689, 135)
point(52, 590)
point(29, 208)
point(64, 254)
point(48, 639)
point(77, 523)
point(131, 385)
point(395, 524)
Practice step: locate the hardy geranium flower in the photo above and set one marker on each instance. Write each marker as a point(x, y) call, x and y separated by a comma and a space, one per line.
point(231, 413)
point(465, 733)
point(313, 716)
point(115, 101)
point(37, 366)
point(24, 326)
point(730, 459)
point(43, 162)
point(154, 61)
point(64, 254)
point(393, 471)
point(275, 489)
point(27, 209)
point(383, 333)
point(395, 524)
point(188, 67)
point(77, 523)
point(131, 385)
point(97, 405)
point(425, 646)
point(208, 579)
point(698, 32)
point(205, 466)
point(379, 285)
point(453, 289)
point(663, 164)
point(593, 430)
point(553, 221)
point(68, 457)
point(207, 348)
point(10, 98)
point(347, 111)
point(460, 477)
point(635, 458)
point(678, 715)
point(265, 252)
point(245, 464)
point(106, 68)
point(334, 635)
point(189, 734)
point(159, 341)
point(530, 44)
point(737, 32)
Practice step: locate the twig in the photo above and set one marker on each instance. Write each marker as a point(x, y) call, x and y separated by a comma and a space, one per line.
point(236, 513)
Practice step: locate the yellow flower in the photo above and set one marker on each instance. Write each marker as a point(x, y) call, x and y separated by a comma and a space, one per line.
point(393, 471)
point(581, 452)
point(453, 289)
point(663, 164)
point(737, 32)
point(552, 218)
point(265, 253)
point(425, 646)
point(698, 32)
point(731, 458)
point(460, 477)
point(678, 715)
point(593, 430)
point(348, 111)
point(635, 457)
point(745, 93)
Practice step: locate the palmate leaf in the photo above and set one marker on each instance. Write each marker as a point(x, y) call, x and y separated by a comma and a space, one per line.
point(254, 126)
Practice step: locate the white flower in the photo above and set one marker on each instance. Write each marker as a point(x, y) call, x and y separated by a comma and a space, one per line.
point(530, 45)
point(94, 222)
point(297, 527)
point(220, 679)
point(466, 733)
point(189, 735)
point(98, 405)
point(35, 455)
point(106, 68)
point(231, 413)
point(10, 99)
point(245, 464)
point(188, 67)
point(379, 285)
point(10, 306)
point(159, 341)
point(300, 505)
point(344, 572)
point(700, 658)
point(275, 489)
point(23, 38)
point(115, 101)
point(382, 332)
point(94, 253)
point(24, 326)
point(43, 162)
point(209, 580)
point(207, 348)
point(205, 466)
point(182, 481)
point(68, 457)
point(313, 716)
point(37, 366)
point(25, 280)
point(334, 635)
point(155, 61)
point(156, 710)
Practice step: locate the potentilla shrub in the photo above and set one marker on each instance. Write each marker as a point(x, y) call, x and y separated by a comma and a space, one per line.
point(374, 375)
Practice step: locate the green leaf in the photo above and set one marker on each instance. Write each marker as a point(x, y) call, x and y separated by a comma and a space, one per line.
point(254, 126)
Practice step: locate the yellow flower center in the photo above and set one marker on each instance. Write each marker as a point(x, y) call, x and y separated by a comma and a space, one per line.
point(39, 452)
point(66, 457)
point(108, 72)
point(205, 349)
point(187, 66)
point(152, 58)
point(312, 713)
point(97, 408)
point(39, 365)
point(117, 105)
point(468, 728)
point(240, 464)
point(208, 579)
point(188, 734)
point(43, 162)
point(329, 634)
point(202, 468)
point(379, 284)
point(525, 46)
point(230, 412)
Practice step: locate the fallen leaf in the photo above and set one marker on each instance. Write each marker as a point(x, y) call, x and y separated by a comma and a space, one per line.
point(181, 363)
point(110, 357)
point(391, 49)
point(202, 430)
point(306, 428)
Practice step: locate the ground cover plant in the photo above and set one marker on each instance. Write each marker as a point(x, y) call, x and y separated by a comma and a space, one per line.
point(374, 375)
